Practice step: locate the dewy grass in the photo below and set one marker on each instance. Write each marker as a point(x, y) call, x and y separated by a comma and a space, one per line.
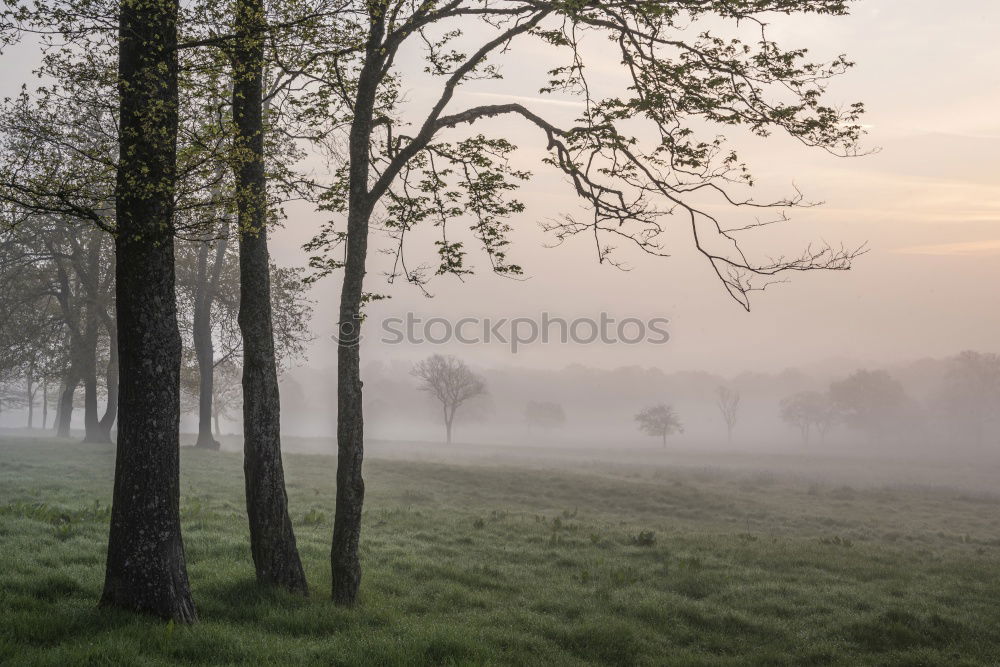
point(487, 565)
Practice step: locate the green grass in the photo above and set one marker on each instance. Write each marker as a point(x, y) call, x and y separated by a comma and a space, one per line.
point(489, 565)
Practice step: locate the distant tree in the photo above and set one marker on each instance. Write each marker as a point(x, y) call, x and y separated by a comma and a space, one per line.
point(208, 296)
point(451, 382)
point(870, 401)
point(808, 409)
point(544, 414)
point(728, 402)
point(971, 393)
point(659, 421)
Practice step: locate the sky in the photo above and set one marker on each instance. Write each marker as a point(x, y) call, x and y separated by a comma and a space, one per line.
point(926, 202)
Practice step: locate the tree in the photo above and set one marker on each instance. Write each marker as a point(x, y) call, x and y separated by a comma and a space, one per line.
point(808, 409)
point(679, 77)
point(870, 401)
point(275, 556)
point(544, 414)
point(146, 570)
point(210, 259)
point(728, 402)
point(208, 135)
point(208, 289)
point(451, 382)
point(971, 393)
point(659, 421)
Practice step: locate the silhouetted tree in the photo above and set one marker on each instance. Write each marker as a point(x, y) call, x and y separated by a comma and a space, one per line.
point(659, 421)
point(808, 409)
point(451, 382)
point(208, 286)
point(728, 402)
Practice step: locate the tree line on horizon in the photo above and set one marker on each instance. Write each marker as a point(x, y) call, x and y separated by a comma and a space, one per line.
point(955, 398)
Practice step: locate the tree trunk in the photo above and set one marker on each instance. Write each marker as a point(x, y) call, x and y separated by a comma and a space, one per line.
point(202, 333)
point(272, 540)
point(664, 440)
point(88, 351)
point(344, 561)
point(447, 423)
point(64, 411)
point(91, 422)
point(45, 404)
point(107, 421)
point(31, 404)
point(146, 569)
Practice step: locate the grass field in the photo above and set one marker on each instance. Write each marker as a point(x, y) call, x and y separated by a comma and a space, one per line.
point(478, 564)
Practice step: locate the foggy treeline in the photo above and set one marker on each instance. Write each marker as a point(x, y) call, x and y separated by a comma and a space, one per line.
point(914, 406)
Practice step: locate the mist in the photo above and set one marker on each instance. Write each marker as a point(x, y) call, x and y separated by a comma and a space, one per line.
point(499, 332)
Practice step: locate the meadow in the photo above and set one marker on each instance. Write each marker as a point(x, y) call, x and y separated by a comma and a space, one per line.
point(491, 563)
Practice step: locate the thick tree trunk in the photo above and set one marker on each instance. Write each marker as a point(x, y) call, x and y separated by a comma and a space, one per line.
point(344, 561)
point(45, 404)
point(272, 540)
point(146, 570)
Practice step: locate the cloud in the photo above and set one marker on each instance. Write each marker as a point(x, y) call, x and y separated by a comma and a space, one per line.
point(527, 99)
point(986, 248)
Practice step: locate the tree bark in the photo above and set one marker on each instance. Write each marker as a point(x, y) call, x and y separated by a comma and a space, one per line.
point(344, 561)
point(272, 540)
point(146, 569)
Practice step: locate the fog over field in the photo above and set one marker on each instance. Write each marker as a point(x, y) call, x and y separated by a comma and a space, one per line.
point(460, 332)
